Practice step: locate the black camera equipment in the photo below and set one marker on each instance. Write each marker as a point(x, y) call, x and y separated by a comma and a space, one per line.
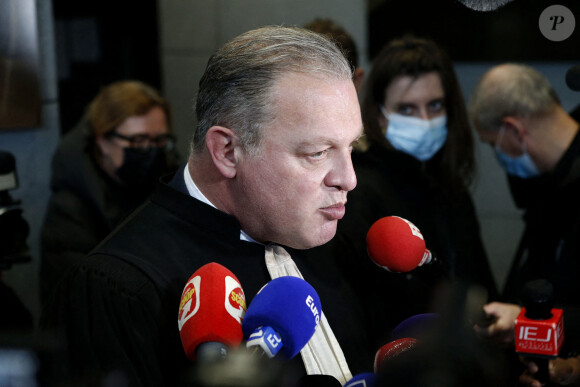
point(13, 228)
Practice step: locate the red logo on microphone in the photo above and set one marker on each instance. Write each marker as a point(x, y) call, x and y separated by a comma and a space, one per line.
point(189, 304)
point(237, 298)
point(540, 337)
point(235, 302)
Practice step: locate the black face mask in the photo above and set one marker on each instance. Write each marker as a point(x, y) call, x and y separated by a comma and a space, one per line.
point(142, 167)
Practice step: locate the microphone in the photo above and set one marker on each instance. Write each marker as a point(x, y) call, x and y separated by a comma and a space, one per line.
point(393, 350)
point(282, 317)
point(318, 381)
point(397, 245)
point(211, 310)
point(573, 78)
point(365, 379)
point(539, 328)
point(419, 326)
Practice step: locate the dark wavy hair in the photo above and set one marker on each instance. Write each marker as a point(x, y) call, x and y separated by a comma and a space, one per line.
point(454, 167)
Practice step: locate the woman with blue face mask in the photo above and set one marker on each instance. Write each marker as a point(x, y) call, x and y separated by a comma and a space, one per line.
point(417, 163)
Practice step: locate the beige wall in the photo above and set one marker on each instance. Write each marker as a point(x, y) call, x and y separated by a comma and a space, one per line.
point(192, 30)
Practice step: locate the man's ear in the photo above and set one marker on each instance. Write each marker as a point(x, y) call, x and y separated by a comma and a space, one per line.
point(516, 125)
point(222, 145)
point(358, 78)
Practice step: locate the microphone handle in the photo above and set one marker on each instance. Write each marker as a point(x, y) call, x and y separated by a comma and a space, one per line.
point(257, 352)
point(318, 381)
point(211, 351)
point(543, 374)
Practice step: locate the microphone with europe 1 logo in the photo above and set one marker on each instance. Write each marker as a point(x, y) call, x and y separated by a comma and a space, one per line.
point(282, 317)
point(539, 328)
point(211, 310)
point(365, 379)
point(397, 245)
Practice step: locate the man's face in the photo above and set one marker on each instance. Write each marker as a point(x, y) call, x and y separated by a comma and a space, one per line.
point(294, 191)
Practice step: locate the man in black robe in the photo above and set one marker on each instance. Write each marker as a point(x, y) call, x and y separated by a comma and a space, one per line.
point(270, 164)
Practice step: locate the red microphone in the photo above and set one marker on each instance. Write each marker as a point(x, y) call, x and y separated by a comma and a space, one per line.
point(539, 328)
point(397, 245)
point(393, 350)
point(211, 310)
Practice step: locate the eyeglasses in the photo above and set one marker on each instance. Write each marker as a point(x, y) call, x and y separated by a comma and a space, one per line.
point(143, 141)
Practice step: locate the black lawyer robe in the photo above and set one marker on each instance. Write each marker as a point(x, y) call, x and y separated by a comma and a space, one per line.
point(118, 308)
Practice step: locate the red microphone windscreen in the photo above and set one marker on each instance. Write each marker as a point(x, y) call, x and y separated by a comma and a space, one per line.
point(396, 244)
point(393, 350)
point(211, 309)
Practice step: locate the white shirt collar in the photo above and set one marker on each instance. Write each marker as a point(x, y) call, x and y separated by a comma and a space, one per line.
point(196, 193)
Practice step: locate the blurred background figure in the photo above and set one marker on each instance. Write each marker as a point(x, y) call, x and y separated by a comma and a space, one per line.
point(14, 249)
point(102, 170)
point(418, 166)
point(484, 5)
point(346, 43)
point(515, 109)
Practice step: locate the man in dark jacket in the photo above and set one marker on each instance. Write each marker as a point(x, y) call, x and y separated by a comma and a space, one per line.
point(270, 164)
point(515, 109)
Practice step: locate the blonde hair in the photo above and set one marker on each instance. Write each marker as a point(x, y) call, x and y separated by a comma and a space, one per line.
point(121, 100)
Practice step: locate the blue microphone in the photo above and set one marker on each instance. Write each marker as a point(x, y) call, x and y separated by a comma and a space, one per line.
point(282, 317)
point(418, 326)
point(365, 379)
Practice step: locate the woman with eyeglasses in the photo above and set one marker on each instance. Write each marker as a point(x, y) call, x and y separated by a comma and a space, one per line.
point(102, 170)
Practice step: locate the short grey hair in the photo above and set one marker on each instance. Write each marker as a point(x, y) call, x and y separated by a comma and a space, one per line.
point(519, 91)
point(235, 89)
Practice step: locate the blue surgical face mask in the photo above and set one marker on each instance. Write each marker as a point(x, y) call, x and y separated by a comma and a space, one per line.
point(522, 166)
point(415, 136)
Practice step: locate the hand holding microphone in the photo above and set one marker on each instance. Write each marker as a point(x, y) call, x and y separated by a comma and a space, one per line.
point(211, 310)
point(501, 328)
point(563, 371)
point(282, 317)
point(539, 328)
point(397, 245)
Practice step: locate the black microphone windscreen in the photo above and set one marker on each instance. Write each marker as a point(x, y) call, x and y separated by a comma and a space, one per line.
point(573, 78)
point(318, 381)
